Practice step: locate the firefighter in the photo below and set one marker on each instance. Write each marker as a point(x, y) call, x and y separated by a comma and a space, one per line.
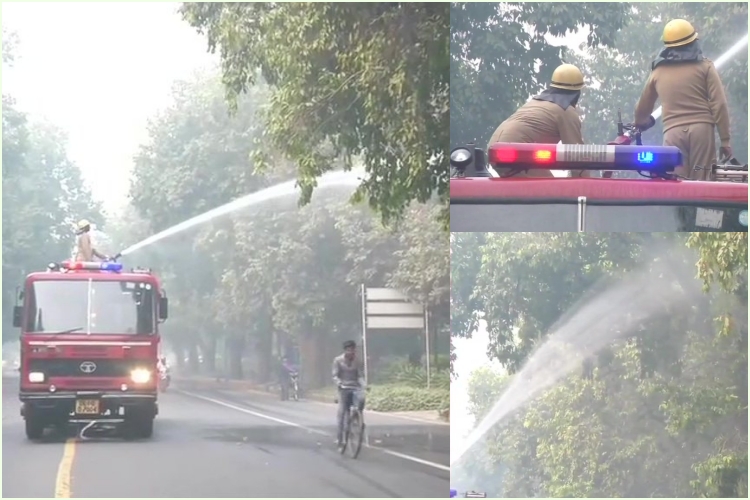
point(547, 118)
point(692, 99)
point(85, 250)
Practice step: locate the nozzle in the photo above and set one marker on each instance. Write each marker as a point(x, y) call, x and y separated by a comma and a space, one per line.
point(119, 254)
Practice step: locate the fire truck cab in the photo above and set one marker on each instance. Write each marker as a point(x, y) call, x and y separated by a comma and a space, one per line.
point(651, 199)
point(89, 345)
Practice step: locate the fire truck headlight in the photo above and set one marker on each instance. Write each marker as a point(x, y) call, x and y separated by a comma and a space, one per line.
point(36, 377)
point(140, 376)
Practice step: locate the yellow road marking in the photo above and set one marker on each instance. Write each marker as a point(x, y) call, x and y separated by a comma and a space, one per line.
point(62, 485)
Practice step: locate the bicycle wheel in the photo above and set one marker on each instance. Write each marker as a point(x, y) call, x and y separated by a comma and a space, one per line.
point(345, 437)
point(357, 432)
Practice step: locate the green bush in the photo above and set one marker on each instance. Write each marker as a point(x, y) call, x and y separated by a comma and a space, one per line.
point(416, 376)
point(403, 398)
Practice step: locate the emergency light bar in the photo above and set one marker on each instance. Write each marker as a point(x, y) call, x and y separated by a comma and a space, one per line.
point(92, 266)
point(584, 157)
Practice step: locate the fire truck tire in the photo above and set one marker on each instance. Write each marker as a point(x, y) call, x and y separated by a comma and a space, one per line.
point(34, 428)
point(144, 427)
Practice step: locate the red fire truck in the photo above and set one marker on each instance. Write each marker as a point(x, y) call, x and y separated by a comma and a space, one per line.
point(89, 346)
point(654, 201)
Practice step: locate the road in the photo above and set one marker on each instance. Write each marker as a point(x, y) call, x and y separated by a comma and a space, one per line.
point(213, 444)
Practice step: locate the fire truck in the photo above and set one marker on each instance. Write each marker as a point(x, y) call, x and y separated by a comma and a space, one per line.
point(89, 346)
point(653, 199)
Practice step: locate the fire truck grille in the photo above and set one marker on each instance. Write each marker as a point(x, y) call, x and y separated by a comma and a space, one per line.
point(85, 367)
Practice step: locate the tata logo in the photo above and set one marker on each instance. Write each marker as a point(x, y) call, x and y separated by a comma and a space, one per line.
point(88, 367)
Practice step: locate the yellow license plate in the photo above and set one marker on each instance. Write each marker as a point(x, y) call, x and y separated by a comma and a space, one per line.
point(87, 406)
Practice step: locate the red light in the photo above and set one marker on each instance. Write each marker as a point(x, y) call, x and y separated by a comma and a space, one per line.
point(524, 155)
point(503, 155)
point(76, 265)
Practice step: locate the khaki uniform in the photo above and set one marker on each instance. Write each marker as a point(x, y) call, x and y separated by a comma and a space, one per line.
point(693, 103)
point(540, 122)
point(85, 251)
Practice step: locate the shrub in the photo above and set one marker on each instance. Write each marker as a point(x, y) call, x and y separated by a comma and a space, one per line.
point(404, 398)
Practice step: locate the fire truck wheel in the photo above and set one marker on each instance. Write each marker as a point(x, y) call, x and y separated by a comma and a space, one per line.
point(143, 427)
point(34, 428)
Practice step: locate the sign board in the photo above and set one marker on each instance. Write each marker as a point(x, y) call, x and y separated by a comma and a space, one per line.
point(394, 309)
point(395, 322)
point(385, 294)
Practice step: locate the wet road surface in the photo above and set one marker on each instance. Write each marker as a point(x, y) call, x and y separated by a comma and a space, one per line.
point(214, 444)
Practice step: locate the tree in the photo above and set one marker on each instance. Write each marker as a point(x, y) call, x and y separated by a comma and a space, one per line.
point(273, 278)
point(43, 195)
point(500, 56)
point(350, 82)
point(663, 411)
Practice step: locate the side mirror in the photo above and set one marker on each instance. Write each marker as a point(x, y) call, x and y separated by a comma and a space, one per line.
point(163, 308)
point(17, 316)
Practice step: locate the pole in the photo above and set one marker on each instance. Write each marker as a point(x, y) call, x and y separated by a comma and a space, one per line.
point(364, 329)
point(427, 343)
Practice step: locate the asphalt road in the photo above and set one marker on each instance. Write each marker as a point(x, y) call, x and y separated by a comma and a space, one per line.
point(211, 444)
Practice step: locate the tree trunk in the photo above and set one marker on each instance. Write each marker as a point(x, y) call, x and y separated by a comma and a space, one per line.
point(209, 354)
point(236, 346)
point(193, 362)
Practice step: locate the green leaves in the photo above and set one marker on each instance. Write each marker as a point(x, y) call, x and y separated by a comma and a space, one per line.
point(359, 83)
point(660, 414)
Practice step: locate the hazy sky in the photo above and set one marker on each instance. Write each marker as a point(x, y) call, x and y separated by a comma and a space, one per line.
point(100, 71)
point(471, 354)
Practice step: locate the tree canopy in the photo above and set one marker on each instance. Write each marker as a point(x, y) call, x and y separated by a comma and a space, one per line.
point(660, 412)
point(272, 279)
point(349, 83)
point(43, 195)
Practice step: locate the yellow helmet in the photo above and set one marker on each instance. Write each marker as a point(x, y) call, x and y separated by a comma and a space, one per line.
point(82, 224)
point(567, 76)
point(678, 32)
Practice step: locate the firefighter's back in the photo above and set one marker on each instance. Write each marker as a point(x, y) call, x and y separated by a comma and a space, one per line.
point(684, 93)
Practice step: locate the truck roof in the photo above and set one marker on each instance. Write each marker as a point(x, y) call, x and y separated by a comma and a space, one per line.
point(493, 190)
point(88, 274)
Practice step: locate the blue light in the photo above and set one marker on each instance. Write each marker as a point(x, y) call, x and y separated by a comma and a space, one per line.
point(645, 157)
point(111, 266)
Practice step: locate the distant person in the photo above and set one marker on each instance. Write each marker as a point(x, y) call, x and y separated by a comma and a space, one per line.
point(547, 118)
point(692, 99)
point(286, 369)
point(348, 375)
point(85, 251)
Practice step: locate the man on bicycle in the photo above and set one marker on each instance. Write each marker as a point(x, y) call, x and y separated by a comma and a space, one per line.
point(348, 375)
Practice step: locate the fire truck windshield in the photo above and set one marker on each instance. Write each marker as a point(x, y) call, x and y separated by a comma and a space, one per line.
point(88, 306)
point(551, 217)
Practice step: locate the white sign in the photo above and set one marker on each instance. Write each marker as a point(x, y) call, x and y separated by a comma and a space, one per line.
point(394, 309)
point(395, 322)
point(385, 294)
point(705, 217)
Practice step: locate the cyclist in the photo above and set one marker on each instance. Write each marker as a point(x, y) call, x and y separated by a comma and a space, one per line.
point(348, 375)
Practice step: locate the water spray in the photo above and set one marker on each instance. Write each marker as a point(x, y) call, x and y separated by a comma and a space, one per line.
point(340, 178)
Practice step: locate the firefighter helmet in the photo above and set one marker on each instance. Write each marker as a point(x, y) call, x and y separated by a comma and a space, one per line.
point(568, 77)
point(82, 225)
point(678, 32)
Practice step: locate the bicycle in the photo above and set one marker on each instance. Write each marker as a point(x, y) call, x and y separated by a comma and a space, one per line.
point(354, 424)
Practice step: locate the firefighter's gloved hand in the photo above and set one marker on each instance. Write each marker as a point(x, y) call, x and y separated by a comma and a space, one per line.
point(725, 152)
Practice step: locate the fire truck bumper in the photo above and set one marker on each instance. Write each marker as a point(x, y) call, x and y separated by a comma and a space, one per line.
point(86, 406)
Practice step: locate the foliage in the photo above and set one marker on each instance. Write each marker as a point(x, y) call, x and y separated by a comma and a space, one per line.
point(500, 56)
point(404, 398)
point(272, 278)
point(350, 81)
point(662, 413)
point(43, 194)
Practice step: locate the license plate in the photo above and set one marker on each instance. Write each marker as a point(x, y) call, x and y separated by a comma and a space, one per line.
point(87, 406)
